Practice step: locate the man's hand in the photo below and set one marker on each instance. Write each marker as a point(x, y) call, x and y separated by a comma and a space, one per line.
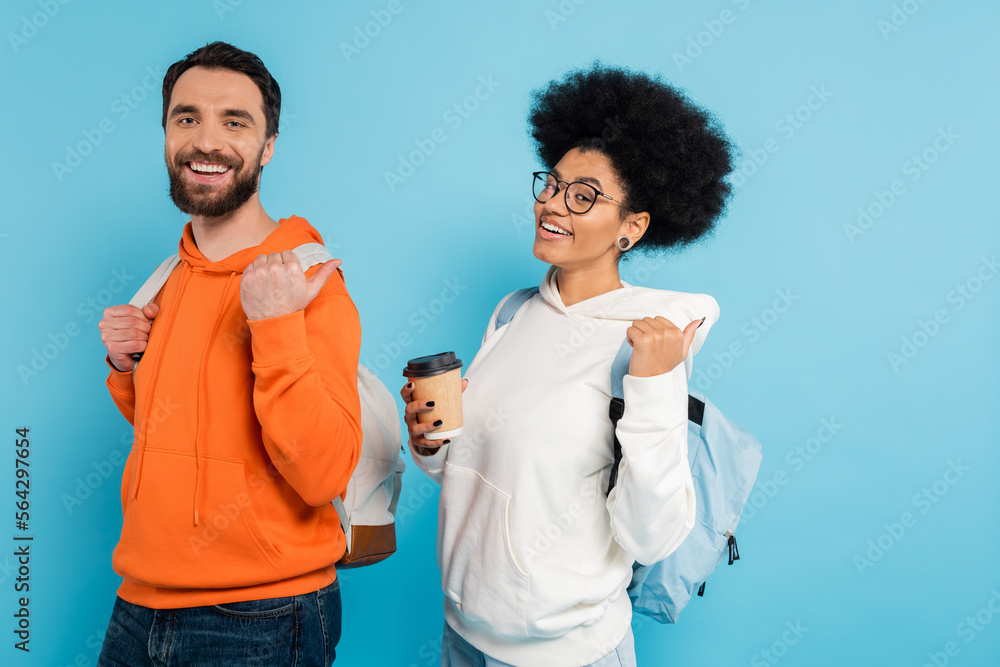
point(275, 285)
point(658, 346)
point(125, 331)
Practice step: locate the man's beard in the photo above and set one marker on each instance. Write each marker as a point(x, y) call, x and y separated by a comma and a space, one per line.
point(198, 198)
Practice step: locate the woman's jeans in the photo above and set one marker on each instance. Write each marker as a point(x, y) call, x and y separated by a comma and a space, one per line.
point(302, 630)
point(456, 652)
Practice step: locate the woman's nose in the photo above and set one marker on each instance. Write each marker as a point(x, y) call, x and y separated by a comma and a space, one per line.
point(556, 204)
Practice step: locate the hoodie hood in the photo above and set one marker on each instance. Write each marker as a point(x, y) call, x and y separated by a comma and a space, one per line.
point(634, 303)
point(291, 232)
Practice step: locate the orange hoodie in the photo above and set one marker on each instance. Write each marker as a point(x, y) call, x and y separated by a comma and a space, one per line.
point(244, 433)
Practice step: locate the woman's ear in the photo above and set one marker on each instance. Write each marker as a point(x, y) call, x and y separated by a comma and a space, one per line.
point(635, 225)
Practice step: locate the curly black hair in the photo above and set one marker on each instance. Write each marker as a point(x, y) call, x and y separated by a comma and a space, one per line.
point(671, 156)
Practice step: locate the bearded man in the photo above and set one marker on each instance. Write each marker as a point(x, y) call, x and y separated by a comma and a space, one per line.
point(245, 405)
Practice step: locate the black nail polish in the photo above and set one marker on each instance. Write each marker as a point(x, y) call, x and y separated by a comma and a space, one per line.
point(409, 385)
point(438, 422)
point(702, 322)
point(445, 442)
point(430, 404)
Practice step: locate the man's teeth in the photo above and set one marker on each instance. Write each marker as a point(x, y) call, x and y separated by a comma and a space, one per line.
point(555, 230)
point(204, 168)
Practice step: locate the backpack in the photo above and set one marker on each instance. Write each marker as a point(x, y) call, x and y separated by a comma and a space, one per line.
point(368, 506)
point(724, 460)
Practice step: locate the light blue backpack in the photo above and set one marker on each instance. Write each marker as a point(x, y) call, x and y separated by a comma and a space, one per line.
point(724, 460)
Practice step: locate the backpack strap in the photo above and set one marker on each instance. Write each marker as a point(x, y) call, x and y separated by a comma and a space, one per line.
point(155, 282)
point(311, 254)
point(345, 521)
point(512, 304)
point(619, 369)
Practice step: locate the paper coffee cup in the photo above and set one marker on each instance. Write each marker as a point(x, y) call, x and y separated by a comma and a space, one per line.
point(438, 378)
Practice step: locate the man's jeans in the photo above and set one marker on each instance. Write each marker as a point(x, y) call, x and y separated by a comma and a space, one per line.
point(302, 630)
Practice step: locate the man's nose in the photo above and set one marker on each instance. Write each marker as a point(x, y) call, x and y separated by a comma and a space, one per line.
point(208, 138)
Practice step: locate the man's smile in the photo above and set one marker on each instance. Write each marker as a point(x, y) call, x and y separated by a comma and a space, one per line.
point(209, 173)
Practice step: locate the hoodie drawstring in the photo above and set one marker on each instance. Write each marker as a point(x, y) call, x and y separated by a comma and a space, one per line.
point(203, 393)
point(143, 424)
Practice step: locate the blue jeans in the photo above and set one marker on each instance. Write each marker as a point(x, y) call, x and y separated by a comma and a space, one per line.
point(456, 652)
point(302, 630)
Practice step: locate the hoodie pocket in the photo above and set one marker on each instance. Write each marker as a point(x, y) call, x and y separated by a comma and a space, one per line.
point(162, 546)
point(480, 570)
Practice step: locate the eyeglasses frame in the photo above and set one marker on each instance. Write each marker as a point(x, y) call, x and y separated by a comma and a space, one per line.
point(536, 174)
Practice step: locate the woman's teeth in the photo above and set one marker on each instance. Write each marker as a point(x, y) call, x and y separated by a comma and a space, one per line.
point(555, 230)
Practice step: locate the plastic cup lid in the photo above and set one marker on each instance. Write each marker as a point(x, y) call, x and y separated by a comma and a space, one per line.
point(434, 364)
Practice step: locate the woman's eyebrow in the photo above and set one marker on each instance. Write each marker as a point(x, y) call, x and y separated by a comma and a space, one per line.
point(584, 179)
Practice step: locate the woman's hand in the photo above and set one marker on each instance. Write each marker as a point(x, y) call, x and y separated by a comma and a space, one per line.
point(416, 429)
point(658, 346)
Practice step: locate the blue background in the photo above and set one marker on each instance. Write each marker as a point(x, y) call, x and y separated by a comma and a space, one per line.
point(821, 551)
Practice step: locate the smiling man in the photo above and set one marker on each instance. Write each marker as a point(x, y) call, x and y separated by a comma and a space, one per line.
point(245, 406)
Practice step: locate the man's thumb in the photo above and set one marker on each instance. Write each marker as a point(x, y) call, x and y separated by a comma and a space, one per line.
point(150, 310)
point(315, 284)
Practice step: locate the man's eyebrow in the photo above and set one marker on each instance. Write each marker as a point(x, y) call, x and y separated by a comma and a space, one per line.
point(242, 114)
point(239, 113)
point(183, 109)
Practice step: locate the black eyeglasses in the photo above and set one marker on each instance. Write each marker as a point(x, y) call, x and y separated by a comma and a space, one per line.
point(580, 197)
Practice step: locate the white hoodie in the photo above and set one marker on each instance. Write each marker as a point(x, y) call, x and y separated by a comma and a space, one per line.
point(535, 558)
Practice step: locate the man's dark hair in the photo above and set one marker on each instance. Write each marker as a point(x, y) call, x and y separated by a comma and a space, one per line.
point(219, 55)
point(671, 156)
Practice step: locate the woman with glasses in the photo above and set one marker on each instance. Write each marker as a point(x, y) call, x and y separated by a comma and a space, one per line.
point(536, 551)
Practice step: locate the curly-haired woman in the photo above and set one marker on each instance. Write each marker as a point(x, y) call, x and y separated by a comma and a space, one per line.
point(535, 554)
